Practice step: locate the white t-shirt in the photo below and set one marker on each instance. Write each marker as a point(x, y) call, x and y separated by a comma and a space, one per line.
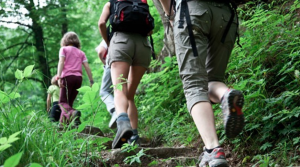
point(103, 44)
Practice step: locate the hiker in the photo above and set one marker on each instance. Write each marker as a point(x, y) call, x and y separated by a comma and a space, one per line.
point(129, 56)
point(69, 76)
point(106, 89)
point(202, 67)
point(53, 96)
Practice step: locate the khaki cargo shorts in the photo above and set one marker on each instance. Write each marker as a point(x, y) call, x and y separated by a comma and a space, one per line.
point(132, 48)
point(209, 20)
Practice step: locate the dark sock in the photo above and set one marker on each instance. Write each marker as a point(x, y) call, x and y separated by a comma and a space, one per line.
point(210, 150)
point(123, 117)
point(135, 132)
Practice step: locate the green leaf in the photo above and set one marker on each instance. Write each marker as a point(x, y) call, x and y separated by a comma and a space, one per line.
point(81, 127)
point(35, 165)
point(13, 137)
point(28, 71)
point(13, 160)
point(19, 74)
point(84, 89)
point(3, 140)
point(4, 98)
point(14, 95)
point(89, 97)
point(84, 106)
point(5, 146)
point(95, 87)
point(119, 87)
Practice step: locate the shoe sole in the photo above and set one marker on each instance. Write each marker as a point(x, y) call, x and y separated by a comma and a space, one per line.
point(123, 138)
point(235, 119)
point(216, 163)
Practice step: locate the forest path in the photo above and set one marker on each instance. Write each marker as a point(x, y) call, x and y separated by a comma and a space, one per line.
point(147, 154)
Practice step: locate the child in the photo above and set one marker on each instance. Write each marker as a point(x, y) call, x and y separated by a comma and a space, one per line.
point(69, 76)
point(53, 95)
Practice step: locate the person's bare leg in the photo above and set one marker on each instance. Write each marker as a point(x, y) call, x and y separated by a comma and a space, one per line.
point(204, 119)
point(135, 75)
point(216, 90)
point(120, 97)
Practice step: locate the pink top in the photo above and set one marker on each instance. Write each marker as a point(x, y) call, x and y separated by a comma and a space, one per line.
point(74, 58)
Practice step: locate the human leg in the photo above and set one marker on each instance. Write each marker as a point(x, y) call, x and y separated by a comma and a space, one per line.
point(194, 76)
point(107, 97)
point(124, 132)
point(135, 75)
point(55, 112)
point(119, 72)
point(67, 96)
point(106, 90)
point(216, 63)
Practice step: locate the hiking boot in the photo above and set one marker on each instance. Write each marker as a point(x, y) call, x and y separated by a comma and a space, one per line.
point(231, 104)
point(113, 121)
point(76, 115)
point(214, 159)
point(135, 139)
point(123, 134)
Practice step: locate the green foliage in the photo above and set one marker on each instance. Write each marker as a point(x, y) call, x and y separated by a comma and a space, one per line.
point(161, 99)
point(133, 158)
point(267, 70)
point(13, 160)
point(6, 143)
point(36, 139)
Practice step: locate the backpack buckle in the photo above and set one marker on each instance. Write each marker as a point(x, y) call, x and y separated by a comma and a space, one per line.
point(135, 6)
point(181, 22)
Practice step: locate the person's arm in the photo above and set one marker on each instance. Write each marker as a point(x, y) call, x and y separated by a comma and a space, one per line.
point(60, 67)
point(101, 54)
point(88, 71)
point(166, 6)
point(102, 22)
point(48, 102)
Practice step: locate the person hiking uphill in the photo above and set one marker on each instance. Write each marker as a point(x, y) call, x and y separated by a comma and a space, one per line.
point(69, 76)
point(106, 89)
point(53, 95)
point(129, 56)
point(202, 54)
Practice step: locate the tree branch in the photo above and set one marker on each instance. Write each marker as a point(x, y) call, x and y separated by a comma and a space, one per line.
point(19, 23)
point(18, 53)
point(12, 46)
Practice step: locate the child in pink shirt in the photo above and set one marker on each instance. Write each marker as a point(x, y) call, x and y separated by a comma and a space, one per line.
point(69, 76)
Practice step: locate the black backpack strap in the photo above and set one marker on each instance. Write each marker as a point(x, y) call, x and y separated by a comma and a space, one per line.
point(233, 13)
point(152, 47)
point(185, 11)
point(172, 2)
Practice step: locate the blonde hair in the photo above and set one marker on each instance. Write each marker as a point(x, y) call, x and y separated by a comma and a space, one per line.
point(70, 38)
point(54, 81)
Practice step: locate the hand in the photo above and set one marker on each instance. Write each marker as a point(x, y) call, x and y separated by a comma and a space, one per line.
point(60, 84)
point(91, 83)
point(171, 22)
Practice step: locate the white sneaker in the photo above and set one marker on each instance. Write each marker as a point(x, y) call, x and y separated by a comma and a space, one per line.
point(113, 121)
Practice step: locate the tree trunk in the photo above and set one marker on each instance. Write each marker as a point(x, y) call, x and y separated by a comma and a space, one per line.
point(39, 45)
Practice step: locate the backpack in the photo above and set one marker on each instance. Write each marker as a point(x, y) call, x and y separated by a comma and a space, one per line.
point(131, 16)
point(184, 12)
